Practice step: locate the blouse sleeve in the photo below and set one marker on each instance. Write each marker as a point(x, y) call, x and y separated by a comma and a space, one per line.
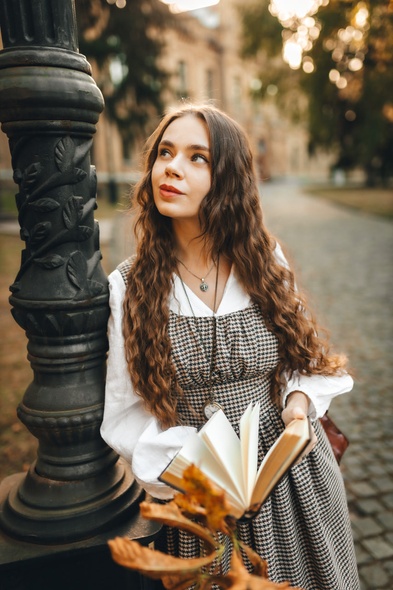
point(320, 390)
point(127, 427)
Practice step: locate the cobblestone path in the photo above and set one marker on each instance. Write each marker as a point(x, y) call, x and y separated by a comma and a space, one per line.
point(344, 261)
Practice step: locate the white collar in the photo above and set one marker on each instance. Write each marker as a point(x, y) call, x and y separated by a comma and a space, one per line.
point(234, 299)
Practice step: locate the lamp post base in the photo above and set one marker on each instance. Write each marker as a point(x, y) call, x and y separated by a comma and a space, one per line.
point(79, 565)
point(32, 507)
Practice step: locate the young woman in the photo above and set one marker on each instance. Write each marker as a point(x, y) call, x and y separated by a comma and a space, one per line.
point(207, 315)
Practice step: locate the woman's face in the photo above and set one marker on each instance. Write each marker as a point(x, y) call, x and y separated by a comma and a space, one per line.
point(181, 174)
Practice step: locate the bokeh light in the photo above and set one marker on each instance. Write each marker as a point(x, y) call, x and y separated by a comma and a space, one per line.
point(348, 47)
point(287, 10)
point(297, 17)
point(119, 3)
point(177, 6)
point(302, 28)
point(308, 65)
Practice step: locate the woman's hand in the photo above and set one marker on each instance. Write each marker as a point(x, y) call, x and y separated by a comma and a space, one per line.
point(297, 408)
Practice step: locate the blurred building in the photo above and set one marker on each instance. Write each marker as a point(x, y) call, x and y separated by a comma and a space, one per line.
point(202, 56)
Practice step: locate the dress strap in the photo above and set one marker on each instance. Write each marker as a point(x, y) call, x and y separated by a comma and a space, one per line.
point(125, 266)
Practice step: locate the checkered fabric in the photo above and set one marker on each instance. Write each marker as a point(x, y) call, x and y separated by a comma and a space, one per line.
point(303, 529)
point(124, 267)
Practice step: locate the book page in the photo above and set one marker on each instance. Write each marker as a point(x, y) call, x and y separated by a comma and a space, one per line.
point(280, 457)
point(249, 434)
point(195, 451)
point(224, 445)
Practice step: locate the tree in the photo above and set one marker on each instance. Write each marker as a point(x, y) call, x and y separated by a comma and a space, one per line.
point(345, 67)
point(126, 44)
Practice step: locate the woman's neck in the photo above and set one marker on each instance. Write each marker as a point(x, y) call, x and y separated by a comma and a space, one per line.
point(197, 268)
point(191, 248)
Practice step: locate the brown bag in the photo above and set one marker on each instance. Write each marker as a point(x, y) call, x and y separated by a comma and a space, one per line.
point(337, 439)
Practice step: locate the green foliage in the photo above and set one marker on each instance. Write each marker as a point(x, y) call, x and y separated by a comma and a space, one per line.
point(261, 39)
point(356, 120)
point(126, 45)
point(261, 30)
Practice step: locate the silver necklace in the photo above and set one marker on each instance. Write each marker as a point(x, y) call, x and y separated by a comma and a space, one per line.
point(211, 406)
point(203, 286)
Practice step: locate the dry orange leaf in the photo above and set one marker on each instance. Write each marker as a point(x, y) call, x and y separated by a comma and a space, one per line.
point(154, 564)
point(251, 582)
point(171, 515)
point(178, 582)
point(238, 578)
point(184, 582)
point(201, 492)
point(201, 499)
point(259, 564)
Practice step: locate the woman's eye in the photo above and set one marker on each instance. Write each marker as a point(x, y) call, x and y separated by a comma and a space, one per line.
point(199, 158)
point(163, 152)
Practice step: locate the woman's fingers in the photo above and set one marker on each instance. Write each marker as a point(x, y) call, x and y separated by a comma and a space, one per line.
point(309, 447)
point(296, 409)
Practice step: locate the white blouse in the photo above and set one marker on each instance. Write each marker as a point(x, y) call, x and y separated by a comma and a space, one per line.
point(133, 432)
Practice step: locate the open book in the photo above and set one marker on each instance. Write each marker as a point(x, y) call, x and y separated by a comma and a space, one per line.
point(232, 463)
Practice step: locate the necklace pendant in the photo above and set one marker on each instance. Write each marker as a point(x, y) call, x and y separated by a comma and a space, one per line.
point(203, 286)
point(211, 408)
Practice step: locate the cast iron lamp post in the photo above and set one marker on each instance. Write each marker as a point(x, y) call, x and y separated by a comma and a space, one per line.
point(49, 106)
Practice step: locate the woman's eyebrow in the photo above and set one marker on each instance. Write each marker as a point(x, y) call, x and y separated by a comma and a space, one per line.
point(166, 142)
point(198, 147)
point(192, 146)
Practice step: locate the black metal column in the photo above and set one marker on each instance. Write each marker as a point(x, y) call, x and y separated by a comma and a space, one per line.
point(49, 106)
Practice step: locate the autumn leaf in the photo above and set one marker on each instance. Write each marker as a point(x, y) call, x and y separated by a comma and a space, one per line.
point(202, 581)
point(238, 578)
point(179, 582)
point(201, 492)
point(171, 515)
point(259, 564)
point(154, 564)
point(189, 506)
point(204, 501)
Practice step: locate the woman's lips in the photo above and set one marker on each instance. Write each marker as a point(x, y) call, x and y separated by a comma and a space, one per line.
point(169, 190)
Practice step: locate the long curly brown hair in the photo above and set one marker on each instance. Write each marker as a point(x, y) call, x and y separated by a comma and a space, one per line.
point(232, 224)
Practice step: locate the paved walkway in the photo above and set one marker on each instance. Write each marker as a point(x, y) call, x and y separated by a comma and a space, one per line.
point(344, 261)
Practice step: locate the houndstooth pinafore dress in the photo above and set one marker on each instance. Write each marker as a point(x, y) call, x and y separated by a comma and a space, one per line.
point(303, 529)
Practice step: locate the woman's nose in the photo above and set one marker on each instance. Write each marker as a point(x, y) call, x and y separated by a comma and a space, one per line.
point(173, 168)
